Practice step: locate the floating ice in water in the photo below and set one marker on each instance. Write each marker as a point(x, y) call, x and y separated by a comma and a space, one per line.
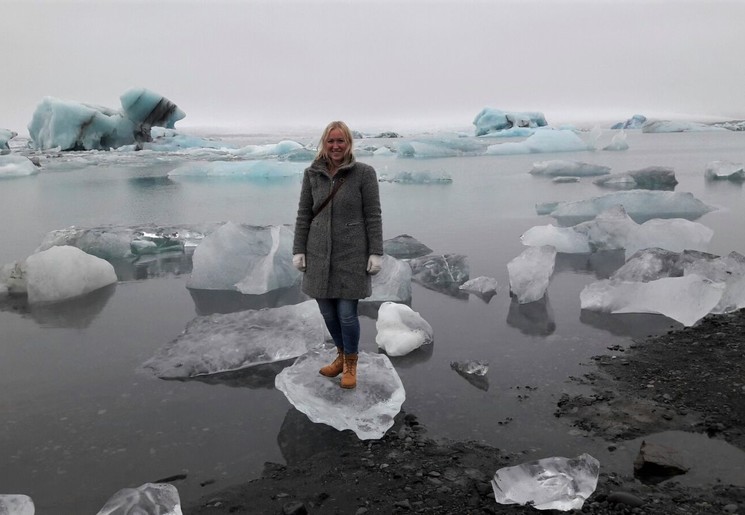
point(650, 178)
point(170, 140)
point(283, 148)
point(544, 140)
point(155, 243)
point(368, 410)
point(490, 120)
point(231, 341)
point(245, 258)
point(439, 147)
point(618, 142)
point(641, 205)
point(514, 132)
point(16, 166)
point(270, 169)
point(76, 126)
point(685, 299)
point(564, 179)
point(392, 283)
point(558, 167)
point(677, 126)
point(728, 270)
point(416, 178)
point(655, 263)
point(635, 122)
point(150, 498)
point(401, 329)
point(62, 273)
point(16, 504)
point(404, 246)
point(440, 273)
point(614, 229)
point(5, 136)
point(725, 170)
point(475, 367)
point(530, 273)
point(480, 285)
point(549, 484)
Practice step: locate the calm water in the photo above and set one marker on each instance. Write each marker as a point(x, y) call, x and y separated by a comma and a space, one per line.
point(80, 420)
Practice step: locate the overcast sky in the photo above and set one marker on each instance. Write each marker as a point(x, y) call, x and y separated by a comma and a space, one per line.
point(379, 63)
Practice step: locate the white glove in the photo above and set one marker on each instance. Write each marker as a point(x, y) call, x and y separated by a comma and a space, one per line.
point(298, 261)
point(374, 263)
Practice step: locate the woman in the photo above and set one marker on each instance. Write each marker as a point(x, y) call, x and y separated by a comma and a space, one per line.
point(339, 242)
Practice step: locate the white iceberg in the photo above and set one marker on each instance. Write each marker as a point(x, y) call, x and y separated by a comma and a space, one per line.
point(245, 258)
point(549, 484)
point(725, 170)
point(62, 273)
point(150, 498)
point(678, 126)
point(400, 329)
point(16, 166)
point(16, 504)
point(544, 140)
point(368, 410)
point(558, 167)
point(530, 273)
point(490, 119)
point(262, 169)
point(685, 299)
point(225, 342)
point(618, 142)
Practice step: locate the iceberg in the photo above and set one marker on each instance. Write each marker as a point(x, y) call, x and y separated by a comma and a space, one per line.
point(220, 342)
point(401, 329)
point(474, 367)
point(544, 140)
point(245, 258)
point(655, 263)
point(5, 136)
point(416, 178)
point(392, 283)
point(650, 178)
point(549, 484)
point(439, 147)
point(148, 109)
point(684, 299)
point(617, 142)
point(368, 410)
point(558, 167)
point(404, 246)
point(153, 498)
point(16, 504)
point(641, 205)
point(723, 170)
point(635, 122)
point(440, 273)
point(480, 286)
point(62, 273)
point(282, 149)
point(239, 169)
point(728, 270)
point(491, 120)
point(530, 273)
point(678, 126)
point(16, 166)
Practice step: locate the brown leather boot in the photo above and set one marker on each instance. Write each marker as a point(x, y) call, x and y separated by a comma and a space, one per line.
point(349, 375)
point(336, 366)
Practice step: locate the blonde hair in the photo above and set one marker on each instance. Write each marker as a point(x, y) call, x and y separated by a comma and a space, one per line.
point(347, 137)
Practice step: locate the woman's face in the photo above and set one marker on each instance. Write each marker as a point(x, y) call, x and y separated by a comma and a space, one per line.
point(336, 146)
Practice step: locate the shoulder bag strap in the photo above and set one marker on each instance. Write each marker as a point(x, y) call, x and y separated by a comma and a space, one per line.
point(336, 187)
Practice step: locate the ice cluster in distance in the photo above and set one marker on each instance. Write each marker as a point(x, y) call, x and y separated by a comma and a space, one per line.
point(490, 119)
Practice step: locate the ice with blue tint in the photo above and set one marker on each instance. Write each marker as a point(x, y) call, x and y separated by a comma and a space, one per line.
point(245, 258)
point(5, 136)
point(725, 170)
point(69, 125)
point(282, 148)
point(422, 177)
point(678, 126)
point(613, 229)
point(439, 147)
point(172, 140)
point(392, 283)
point(401, 330)
point(16, 504)
point(490, 119)
point(152, 498)
point(559, 167)
point(224, 342)
point(16, 166)
point(641, 205)
point(253, 170)
point(635, 122)
point(368, 410)
point(685, 299)
point(649, 178)
point(62, 273)
point(555, 483)
point(514, 132)
point(544, 140)
point(530, 273)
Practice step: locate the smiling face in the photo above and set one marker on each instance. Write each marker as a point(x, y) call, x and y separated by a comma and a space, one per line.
point(335, 146)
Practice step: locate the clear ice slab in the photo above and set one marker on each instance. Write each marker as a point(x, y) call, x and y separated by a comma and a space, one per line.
point(150, 498)
point(225, 342)
point(530, 273)
point(555, 483)
point(368, 410)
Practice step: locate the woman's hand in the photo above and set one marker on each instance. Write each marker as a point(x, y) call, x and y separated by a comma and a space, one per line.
point(298, 261)
point(374, 263)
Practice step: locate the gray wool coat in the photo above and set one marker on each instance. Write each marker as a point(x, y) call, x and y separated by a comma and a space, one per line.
point(338, 242)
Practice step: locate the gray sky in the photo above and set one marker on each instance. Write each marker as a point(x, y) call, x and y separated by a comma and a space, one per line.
point(379, 63)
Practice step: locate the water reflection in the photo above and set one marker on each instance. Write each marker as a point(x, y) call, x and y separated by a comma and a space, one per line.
point(76, 313)
point(208, 302)
point(413, 358)
point(534, 318)
point(480, 382)
point(635, 325)
point(153, 266)
point(300, 439)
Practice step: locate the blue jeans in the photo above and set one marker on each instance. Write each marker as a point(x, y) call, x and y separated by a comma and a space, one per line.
point(342, 322)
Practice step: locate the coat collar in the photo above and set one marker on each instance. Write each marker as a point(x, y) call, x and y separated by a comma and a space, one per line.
point(321, 166)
